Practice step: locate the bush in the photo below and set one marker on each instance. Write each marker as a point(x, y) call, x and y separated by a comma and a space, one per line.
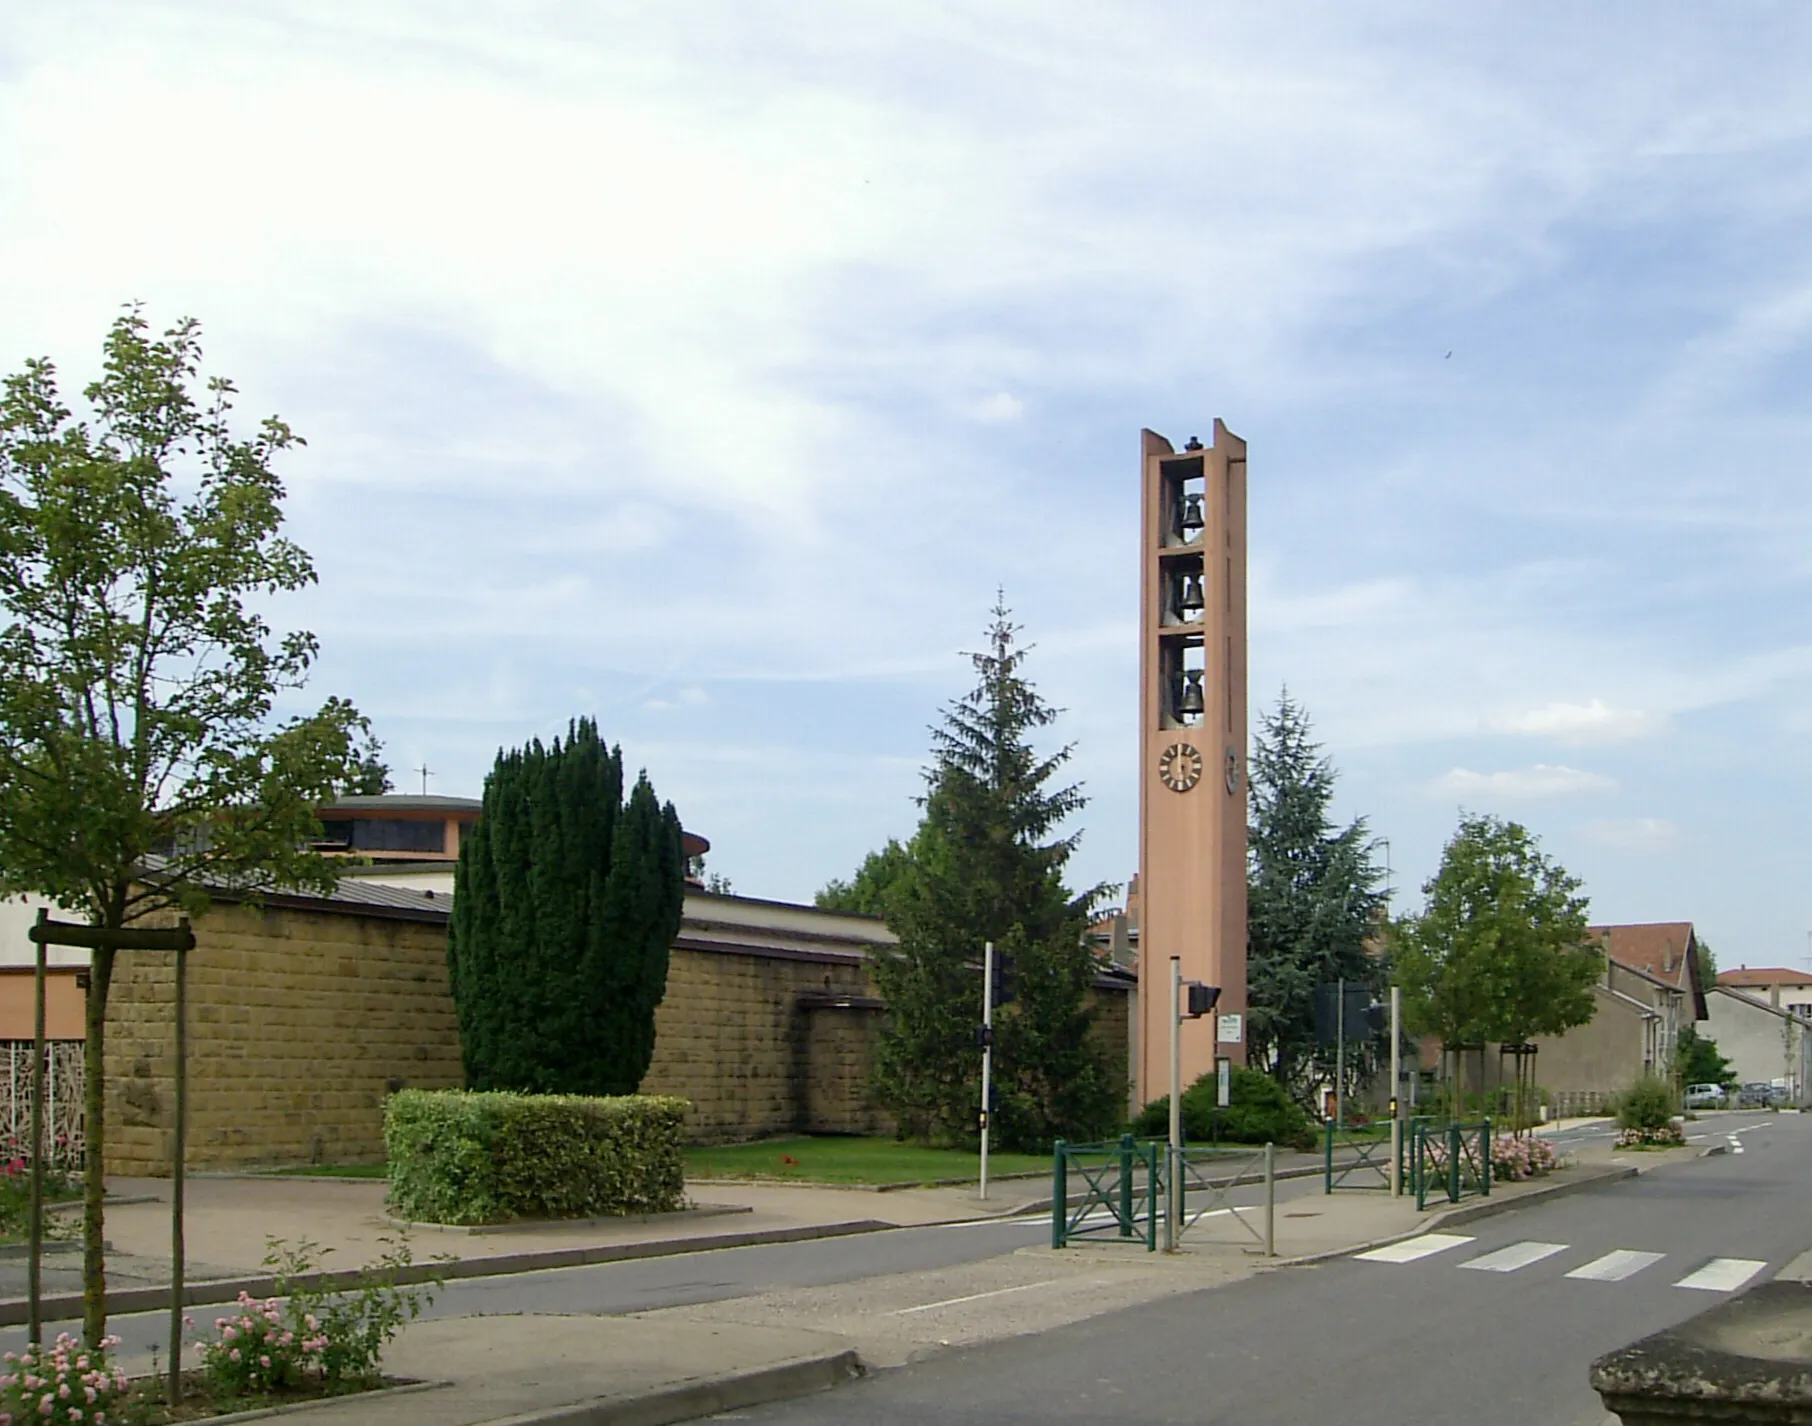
point(63, 1382)
point(1258, 1112)
point(1647, 1105)
point(493, 1157)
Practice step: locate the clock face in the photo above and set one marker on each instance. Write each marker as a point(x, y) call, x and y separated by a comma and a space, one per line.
point(1179, 767)
point(1232, 770)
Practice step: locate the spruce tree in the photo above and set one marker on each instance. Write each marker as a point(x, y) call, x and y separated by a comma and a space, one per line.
point(567, 900)
point(1311, 899)
point(987, 865)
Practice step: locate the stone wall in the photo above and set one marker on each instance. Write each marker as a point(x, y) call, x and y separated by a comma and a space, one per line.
point(300, 1022)
point(743, 1038)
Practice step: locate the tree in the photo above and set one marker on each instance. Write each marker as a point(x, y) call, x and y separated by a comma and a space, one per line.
point(1500, 950)
point(567, 899)
point(139, 761)
point(370, 775)
point(1697, 1061)
point(1312, 901)
point(987, 865)
point(877, 882)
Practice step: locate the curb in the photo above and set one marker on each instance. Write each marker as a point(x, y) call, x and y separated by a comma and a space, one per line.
point(15, 1311)
point(1466, 1213)
point(731, 1392)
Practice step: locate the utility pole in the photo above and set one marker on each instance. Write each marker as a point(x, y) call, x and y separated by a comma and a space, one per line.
point(1396, 1085)
point(1173, 1201)
point(987, 1039)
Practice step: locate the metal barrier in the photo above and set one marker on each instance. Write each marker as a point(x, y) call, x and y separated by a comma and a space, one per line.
point(1373, 1158)
point(1123, 1182)
point(1188, 1166)
point(1452, 1161)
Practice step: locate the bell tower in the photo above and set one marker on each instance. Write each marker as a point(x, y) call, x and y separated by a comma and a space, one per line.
point(1192, 746)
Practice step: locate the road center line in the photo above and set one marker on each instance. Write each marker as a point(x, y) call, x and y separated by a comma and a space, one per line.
point(976, 1297)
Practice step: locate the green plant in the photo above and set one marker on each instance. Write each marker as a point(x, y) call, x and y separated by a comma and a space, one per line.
point(350, 1328)
point(1647, 1104)
point(255, 1352)
point(458, 1157)
point(1258, 1112)
point(62, 1383)
point(567, 899)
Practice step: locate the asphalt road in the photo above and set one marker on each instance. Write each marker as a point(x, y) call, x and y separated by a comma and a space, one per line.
point(1361, 1342)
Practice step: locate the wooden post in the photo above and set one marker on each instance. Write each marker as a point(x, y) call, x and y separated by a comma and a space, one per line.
point(34, 1272)
point(177, 1155)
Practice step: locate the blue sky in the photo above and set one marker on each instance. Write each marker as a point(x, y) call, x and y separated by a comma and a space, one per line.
point(706, 366)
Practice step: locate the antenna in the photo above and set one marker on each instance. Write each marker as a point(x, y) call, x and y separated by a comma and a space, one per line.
point(426, 772)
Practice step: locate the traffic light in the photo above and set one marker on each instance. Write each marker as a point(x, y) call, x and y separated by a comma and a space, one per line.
point(1001, 990)
point(1200, 999)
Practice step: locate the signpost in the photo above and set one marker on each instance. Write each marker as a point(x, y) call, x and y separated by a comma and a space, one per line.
point(987, 1042)
point(181, 940)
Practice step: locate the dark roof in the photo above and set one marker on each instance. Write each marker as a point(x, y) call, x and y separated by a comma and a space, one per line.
point(404, 802)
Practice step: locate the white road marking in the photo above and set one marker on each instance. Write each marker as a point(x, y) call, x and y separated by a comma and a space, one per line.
point(976, 1297)
point(1517, 1255)
point(1411, 1249)
point(1722, 1274)
point(1615, 1267)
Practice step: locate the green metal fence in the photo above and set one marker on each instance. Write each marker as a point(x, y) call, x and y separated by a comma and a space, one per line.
point(1369, 1163)
point(1120, 1184)
point(1451, 1161)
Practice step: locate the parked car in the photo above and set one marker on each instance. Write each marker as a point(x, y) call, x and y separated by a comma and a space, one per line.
point(1758, 1094)
point(1705, 1096)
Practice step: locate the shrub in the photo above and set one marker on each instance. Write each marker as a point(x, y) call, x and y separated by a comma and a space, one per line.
point(1648, 1104)
point(66, 1382)
point(467, 1158)
point(307, 1337)
point(1514, 1159)
point(1258, 1112)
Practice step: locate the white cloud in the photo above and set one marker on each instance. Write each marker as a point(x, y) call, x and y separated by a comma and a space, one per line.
point(1001, 406)
point(1544, 780)
point(1634, 833)
point(1592, 722)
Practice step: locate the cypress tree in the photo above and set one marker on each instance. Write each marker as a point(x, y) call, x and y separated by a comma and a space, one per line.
point(987, 865)
point(566, 901)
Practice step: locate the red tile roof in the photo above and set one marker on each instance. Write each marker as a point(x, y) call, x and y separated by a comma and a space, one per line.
point(1666, 950)
point(1763, 976)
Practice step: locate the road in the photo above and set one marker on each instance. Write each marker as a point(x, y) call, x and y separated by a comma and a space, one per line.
point(1433, 1338)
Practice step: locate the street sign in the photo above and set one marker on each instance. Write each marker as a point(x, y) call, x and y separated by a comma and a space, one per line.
point(1231, 1030)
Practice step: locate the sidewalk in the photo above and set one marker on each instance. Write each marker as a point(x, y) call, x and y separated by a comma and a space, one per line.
point(679, 1363)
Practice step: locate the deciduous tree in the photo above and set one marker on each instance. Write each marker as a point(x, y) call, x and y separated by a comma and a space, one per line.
point(1500, 950)
point(140, 761)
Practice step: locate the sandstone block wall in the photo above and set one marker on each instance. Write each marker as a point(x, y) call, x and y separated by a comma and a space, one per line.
point(300, 1023)
point(732, 1037)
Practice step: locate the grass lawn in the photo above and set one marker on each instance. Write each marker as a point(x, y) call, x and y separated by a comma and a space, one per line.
point(849, 1160)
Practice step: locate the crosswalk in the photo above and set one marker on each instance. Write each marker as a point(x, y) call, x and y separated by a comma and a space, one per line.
point(1619, 1265)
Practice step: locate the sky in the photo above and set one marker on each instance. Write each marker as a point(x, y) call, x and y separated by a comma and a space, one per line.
point(707, 367)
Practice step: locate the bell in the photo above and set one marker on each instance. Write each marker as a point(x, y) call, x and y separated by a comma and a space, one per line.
point(1190, 704)
point(1192, 603)
point(1192, 521)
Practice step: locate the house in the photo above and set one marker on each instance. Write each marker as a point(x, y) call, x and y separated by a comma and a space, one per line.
point(1779, 987)
point(1765, 1037)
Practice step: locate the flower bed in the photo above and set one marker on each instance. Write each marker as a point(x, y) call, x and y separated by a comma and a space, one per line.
point(1664, 1136)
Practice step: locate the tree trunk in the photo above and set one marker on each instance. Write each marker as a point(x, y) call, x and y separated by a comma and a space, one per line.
point(94, 1184)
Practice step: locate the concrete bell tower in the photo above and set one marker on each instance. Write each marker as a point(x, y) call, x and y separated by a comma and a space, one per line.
point(1192, 745)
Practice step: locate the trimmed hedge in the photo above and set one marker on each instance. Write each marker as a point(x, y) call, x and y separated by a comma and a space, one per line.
point(468, 1158)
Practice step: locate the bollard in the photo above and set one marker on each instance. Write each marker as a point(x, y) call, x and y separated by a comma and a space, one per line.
point(1126, 1186)
point(1270, 1200)
point(1453, 1163)
point(1060, 1198)
point(1485, 1157)
point(1151, 1196)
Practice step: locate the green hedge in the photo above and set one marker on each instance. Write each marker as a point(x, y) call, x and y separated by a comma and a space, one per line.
point(491, 1158)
